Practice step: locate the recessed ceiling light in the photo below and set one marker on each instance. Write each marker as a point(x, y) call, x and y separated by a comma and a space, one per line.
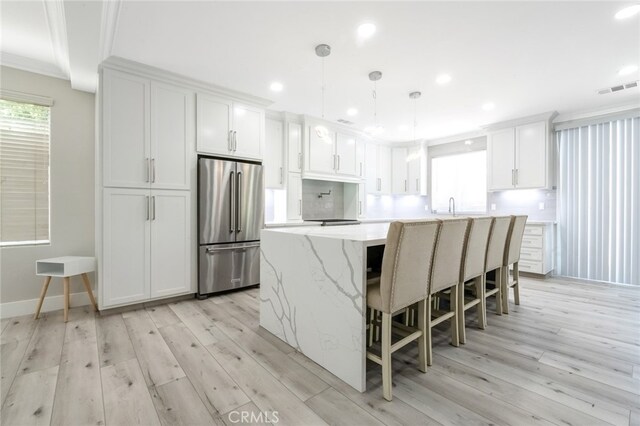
point(443, 79)
point(629, 69)
point(276, 86)
point(352, 112)
point(366, 30)
point(628, 12)
point(488, 106)
point(403, 128)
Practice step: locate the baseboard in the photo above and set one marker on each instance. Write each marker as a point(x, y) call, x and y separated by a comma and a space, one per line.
point(51, 303)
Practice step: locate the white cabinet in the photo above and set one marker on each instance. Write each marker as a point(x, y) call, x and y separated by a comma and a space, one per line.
point(331, 155)
point(346, 155)
point(147, 133)
point(360, 158)
point(294, 197)
point(399, 171)
point(321, 149)
point(416, 171)
point(538, 248)
point(294, 147)
point(172, 136)
point(378, 165)
point(228, 128)
point(125, 130)
point(362, 201)
point(518, 157)
point(274, 154)
point(146, 245)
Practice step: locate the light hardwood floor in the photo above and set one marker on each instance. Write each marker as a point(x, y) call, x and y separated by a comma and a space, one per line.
point(569, 354)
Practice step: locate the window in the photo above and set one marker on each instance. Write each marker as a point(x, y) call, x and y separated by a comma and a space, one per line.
point(24, 173)
point(463, 177)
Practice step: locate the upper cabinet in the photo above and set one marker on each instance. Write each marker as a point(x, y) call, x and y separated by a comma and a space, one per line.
point(294, 147)
point(378, 167)
point(407, 177)
point(229, 128)
point(331, 155)
point(399, 169)
point(274, 155)
point(519, 157)
point(148, 132)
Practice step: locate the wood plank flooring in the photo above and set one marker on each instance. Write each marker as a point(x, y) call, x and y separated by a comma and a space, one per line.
point(568, 355)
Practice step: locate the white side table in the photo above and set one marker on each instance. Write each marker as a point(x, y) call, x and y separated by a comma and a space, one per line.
point(65, 267)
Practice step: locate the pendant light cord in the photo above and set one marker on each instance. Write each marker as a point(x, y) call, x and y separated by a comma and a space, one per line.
point(322, 88)
point(415, 118)
point(375, 104)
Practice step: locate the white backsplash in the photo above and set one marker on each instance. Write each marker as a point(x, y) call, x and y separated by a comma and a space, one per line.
point(524, 201)
point(396, 206)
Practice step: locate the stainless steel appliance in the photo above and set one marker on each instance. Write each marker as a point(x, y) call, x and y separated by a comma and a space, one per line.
point(230, 217)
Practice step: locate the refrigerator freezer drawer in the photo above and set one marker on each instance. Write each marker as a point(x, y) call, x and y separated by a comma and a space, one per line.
point(228, 266)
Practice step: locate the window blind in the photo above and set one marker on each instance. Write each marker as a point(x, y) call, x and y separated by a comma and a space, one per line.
point(24, 173)
point(599, 201)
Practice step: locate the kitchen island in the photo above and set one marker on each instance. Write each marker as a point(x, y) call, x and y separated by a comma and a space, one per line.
point(313, 292)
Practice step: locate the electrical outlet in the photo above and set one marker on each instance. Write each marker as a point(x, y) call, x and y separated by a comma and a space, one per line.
point(493, 207)
point(541, 206)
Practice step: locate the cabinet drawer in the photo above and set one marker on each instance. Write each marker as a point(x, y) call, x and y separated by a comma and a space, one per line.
point(532, 241)
point(533, 267)
point(533, 230)
point(531, 254)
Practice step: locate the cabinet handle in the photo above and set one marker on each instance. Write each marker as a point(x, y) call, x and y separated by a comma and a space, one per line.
point(418, 184)
point(379, 184)
point(361, 169)
point(360, 208)
point(299, 207)
point(516, 177)
point(405, 185)
point(513, 179)
point(235, 141)
point(230, 144)
point(281, 176)
point(147, 163)
point(299, 161)
point(338, 161)
point(153, 170)
point(153, 208)
point(147, 207)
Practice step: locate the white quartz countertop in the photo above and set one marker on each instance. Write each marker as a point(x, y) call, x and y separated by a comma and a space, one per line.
point(369, 233)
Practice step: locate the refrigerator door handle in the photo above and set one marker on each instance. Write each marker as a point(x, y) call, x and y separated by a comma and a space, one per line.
point(239, 202)
point(235, 248)
point(231, 192)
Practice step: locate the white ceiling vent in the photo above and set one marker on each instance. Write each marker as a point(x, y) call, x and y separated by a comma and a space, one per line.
point(618, 88)
point(346, 122)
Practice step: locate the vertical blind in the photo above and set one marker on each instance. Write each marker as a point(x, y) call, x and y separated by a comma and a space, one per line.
point(599, 201)
point(24, 173)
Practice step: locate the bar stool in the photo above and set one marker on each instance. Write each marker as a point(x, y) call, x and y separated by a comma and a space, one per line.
point(472, 273)
point(406, 270)
point(512, 257)
point(495, 259)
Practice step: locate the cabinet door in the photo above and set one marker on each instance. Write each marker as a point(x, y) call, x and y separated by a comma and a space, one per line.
point(384, 168)
point(360, 158)
point(371, 165)
point(294, 147)
point(415, 162)
point(294, 197)
point(500, 159)
point(126, 249)
point(321, 150)
point(274, 155)
point(531, 156)
point(362, 201)
point(346, 149)
point(170, 243)
point(172, 134)
point(399, 184)
point(213, 125)
point(125, 130)
point(248, 125)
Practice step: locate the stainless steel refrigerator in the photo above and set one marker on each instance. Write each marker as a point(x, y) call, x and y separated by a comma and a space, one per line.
point(230, 217)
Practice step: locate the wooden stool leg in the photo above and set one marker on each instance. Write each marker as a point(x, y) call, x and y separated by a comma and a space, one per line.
point(516, 279)
point(422, 340)
point(461, 317)
point(87, 286)
point(482, 306)
point(43, 293)
point(428, 319)
point(453, 307)
point(386, 356)
point(498, 281)
point(66, 298)
point(505, 289)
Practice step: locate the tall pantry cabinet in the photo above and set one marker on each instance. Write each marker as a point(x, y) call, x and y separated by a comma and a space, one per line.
point(146, 169)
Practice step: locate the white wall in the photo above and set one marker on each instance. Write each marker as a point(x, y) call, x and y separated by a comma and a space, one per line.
point(72, 188)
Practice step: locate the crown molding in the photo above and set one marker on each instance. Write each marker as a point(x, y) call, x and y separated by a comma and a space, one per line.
point(31, 65)
point(54, 11)
point(126, 65)
point(457, 138)
point(545, 116)
point(109, 27)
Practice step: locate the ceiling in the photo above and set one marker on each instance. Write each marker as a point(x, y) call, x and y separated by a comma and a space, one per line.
point(525, 57)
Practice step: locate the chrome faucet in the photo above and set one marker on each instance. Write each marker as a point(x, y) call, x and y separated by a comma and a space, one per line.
point(452, 206)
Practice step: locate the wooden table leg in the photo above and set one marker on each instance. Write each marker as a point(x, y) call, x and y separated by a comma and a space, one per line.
point(87, 286)
point(66, 298)
point(43, 292)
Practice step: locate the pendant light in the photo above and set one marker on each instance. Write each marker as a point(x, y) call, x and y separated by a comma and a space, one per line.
point(322, 51)
point(374, 76)
point(415, 96)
